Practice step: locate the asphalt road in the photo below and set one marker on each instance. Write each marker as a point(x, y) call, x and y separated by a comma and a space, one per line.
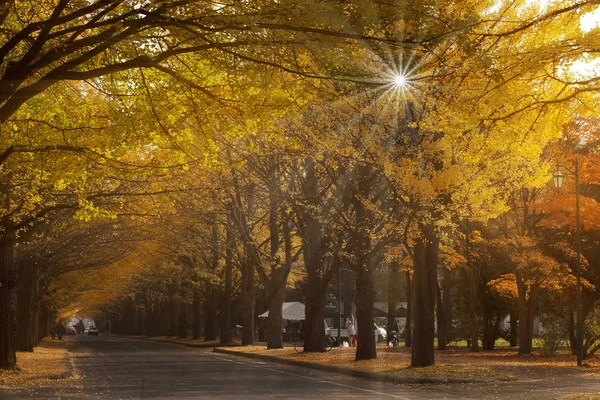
point(119, 368)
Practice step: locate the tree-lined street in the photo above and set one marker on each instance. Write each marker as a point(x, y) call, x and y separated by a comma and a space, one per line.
point(120, 368)
point(422, 173)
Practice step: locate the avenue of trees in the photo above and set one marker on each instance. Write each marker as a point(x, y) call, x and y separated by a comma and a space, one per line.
point(166, 164)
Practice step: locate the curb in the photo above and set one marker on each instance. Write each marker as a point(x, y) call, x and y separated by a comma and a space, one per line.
point(70, 368)
point(364, 374)
point(192, 345)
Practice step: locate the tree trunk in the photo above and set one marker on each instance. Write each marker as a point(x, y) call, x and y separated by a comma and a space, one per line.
point(35, 328)
point(210, 313)
point(366, 349)
point(275, 319)
point(441, 321)
point(571, 321)
point(473, 318)
point(182, 324)
point(319, 271)
point(150, 316)
point(525, 328)
point(26, 333)
point(491, 327)
point(426, 252)
point(409, 307)
point(226, 320)
point(248, 301)
point(514, 327)
point(391, 318)
point(173, 311)
point(314, 329)
point(446, 303)
point(8, 300)
point(365, 296)
point(197, 313)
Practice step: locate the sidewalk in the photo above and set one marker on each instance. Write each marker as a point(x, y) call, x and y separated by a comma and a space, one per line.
point(49, 362)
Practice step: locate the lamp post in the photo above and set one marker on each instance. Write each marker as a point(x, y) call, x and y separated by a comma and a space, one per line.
point(557, 178)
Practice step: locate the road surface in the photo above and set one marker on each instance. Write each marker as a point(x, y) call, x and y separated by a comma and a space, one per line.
point(120, 368)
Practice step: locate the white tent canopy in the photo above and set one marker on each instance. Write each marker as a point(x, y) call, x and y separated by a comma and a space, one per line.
point(293, 310)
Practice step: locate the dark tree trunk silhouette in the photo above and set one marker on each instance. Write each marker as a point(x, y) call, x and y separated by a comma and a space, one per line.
point(425, 253)
point(514, 327)
point(225, 311)
point(27, 300)
point(210, 312)
point(408, 331)
point(492, 317)
point(182, 324)
point(526, 301)
point(197, 313)
point(441, 321)
point(571, 321)
point(365, 295)
point(320, 268)
point(8, 299)
point(274, 321)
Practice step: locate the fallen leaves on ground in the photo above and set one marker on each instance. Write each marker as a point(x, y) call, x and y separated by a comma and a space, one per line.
point(584, 396)
point(386, 363)
point(48, 362)
point(456, 362)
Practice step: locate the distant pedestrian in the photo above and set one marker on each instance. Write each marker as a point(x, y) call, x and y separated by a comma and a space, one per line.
point(394, 325)
point(351, 331)
point(60, 330)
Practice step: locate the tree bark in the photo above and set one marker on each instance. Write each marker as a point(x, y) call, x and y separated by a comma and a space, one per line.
point(446, 303)
point(314, 329)
point(441, 321)
point(514, 327)
point(426, 252)
point(8, 299)
point(182, 324)
point(366, 345)
point(525, 307)
point(275, 319)
point(409, 308)
point(571, 321)
point(197, 313)
point(365, 296)
point(210, 313)
point(248, 301)
point(173, 311)
point(26, 298)
point(473, 317)
point(150, 315)
point(319, 268)
point(226, 320)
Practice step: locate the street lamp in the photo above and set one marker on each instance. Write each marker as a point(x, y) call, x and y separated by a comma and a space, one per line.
point(557, 178)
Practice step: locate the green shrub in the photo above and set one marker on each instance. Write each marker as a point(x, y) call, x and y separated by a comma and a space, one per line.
point(552, 335)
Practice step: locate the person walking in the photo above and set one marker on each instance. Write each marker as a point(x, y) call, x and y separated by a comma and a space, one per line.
point(351, 331)
point(60, 330)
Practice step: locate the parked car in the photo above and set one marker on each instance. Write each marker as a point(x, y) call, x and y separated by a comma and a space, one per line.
point(70, 331)
point(92, 331)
